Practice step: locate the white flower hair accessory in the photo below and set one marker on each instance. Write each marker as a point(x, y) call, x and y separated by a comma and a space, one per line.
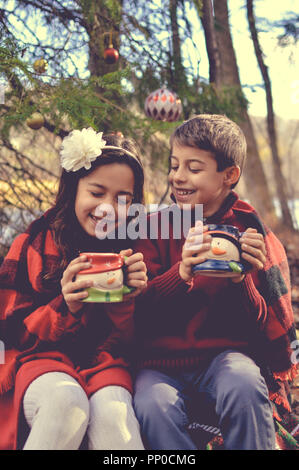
point(80, 148)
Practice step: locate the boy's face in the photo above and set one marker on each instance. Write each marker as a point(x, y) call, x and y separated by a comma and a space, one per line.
point(194, 178)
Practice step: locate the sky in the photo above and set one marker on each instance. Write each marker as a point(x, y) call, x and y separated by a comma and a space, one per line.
point(283, 63)
point(284, 72)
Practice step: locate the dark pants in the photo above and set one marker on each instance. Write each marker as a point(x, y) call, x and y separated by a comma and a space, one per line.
point(232, 391)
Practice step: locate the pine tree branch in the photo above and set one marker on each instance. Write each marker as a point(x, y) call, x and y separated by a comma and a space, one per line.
point(50, 7)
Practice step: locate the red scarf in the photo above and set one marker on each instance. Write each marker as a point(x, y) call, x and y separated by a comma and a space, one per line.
point(35, 320)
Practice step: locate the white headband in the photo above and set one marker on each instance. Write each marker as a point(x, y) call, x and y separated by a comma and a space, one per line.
point(80, 148)
point(112, 147)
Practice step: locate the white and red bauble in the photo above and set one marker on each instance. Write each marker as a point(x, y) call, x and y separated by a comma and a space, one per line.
point(163, 105)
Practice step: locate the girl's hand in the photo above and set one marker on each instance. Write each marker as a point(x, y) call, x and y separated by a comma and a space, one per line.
point(70, 287)
point(253, 251)
point(135, 271)
point(197, 244)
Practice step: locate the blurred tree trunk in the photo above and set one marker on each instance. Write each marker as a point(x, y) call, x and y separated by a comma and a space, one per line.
point(177, 80)
point(102, 21)
point(254, 175)
point(281, 185)
point(207, 20)
point(177, 71)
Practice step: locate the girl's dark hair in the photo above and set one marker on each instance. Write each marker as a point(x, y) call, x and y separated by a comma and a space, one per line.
point(64, 226)
point(217, 134)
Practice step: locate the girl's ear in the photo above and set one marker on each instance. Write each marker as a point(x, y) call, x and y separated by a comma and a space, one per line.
point(231, 175)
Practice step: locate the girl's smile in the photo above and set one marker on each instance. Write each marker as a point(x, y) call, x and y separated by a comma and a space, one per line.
point(101, 193)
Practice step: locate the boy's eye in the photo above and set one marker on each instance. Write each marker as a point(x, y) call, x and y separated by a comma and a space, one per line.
point(97, 194)
point(174, 168)
point(195, 169)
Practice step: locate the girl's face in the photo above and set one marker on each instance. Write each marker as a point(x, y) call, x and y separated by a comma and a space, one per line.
point(104, 195)
point(194, 178)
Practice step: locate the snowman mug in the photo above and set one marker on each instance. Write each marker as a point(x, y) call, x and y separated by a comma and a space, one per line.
point(106, 272)
point(224, 255)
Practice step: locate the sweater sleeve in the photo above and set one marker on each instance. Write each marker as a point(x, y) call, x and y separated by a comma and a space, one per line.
point(25, 310)
point(164, 278)
point(167, 283)
point(251, 301)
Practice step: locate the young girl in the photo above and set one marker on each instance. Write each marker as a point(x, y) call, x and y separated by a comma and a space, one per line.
point(66, 367)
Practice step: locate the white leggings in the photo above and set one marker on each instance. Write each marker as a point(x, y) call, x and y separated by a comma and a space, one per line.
point(59, 414)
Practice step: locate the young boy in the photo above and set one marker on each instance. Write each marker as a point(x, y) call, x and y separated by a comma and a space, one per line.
point(211, 347)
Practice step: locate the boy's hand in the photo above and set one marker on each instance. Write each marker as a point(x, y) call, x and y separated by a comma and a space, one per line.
point(136, 272)
point(253, 251)
point(197, 244)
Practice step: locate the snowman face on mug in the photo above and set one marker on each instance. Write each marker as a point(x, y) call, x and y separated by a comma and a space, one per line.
point(224, 256)
point(109, 281)
point(106, 281)
point(223, 248)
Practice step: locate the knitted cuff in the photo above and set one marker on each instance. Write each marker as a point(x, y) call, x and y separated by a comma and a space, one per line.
point(249, 288)
point(171, 282)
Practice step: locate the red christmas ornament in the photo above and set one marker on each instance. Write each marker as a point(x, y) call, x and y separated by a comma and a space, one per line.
point(163, 105)
point(111, 55)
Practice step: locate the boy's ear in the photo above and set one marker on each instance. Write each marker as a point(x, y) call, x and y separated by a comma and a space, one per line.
point(232, 175)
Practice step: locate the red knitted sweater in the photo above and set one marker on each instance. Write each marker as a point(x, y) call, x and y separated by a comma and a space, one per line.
point(180, 327)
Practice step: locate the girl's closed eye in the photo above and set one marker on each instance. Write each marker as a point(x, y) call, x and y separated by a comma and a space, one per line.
point(97, 194)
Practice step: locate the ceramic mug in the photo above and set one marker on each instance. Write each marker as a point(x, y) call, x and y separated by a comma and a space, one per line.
point(107, 273)
point(224, 257)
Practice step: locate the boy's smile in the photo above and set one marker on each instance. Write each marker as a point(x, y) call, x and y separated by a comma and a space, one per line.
point(194, 178)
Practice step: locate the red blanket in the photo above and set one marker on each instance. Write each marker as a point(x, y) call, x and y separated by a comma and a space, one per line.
point(38, 330)
point(280, 340)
